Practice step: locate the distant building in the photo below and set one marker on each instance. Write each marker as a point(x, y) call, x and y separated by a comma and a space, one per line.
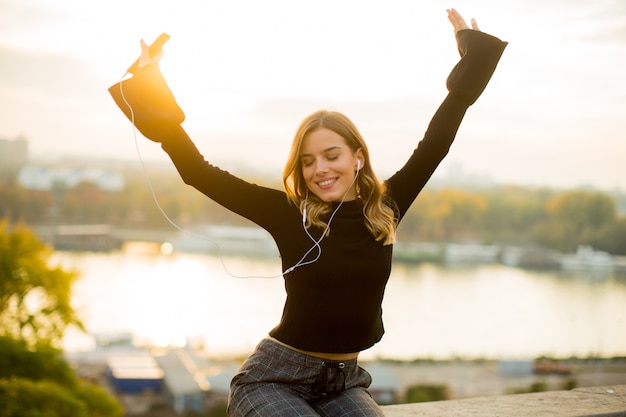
point(192, 382)
point(47, 178)
point(134, 372)
point(13, 153)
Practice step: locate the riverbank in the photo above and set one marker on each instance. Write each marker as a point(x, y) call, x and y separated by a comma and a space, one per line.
point(468, 379)
point(253, 241)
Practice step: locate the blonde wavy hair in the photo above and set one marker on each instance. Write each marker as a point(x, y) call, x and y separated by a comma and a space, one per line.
point(378, 208)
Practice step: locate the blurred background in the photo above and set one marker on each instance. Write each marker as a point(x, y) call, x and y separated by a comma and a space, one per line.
point(510, 271)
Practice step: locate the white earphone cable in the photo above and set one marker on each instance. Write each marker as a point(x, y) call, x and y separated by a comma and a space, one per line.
point(301, 262)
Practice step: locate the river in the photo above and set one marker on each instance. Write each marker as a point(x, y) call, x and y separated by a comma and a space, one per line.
point(430, 311)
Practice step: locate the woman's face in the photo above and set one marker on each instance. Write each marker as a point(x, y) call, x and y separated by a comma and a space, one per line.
point(329, 165)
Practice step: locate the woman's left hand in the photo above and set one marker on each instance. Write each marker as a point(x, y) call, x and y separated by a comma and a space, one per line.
point(458, 22)
point(145, 58)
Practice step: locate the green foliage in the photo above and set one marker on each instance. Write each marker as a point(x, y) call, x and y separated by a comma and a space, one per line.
point(613, 238)
point(498, 214)
point(35, 298)
point(570, 384)
point(427, 392)
point(25, 398)
point(512, 212)
point(98, 401)
point(576, 218)
point(41, 383)
point(538, 386)
point(46, 363)
point(35, 308)
point(559, 220)
point(446, 214)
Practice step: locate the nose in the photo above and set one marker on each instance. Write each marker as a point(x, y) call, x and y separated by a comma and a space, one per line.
point(321, 168)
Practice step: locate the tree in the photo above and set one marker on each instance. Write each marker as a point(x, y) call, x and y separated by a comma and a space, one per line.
point(446, 214)
point(17, 203)
point(512, 212)
point(21, 397)
point(613, 240)
point(46, 363)
point(84, 203)
point(576, 218)
point(35, 379)
point(35, 298)
point(427, 392)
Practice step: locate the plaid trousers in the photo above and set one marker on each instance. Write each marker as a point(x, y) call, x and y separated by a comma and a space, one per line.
point(277, 381)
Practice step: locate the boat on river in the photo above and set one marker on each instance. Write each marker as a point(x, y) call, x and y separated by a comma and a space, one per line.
point(587, 259)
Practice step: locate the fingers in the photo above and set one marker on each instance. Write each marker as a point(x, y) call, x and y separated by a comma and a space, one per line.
point(456, 19)
point(458, 22)
point(144, 58)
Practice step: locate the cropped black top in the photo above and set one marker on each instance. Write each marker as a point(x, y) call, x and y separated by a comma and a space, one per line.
point(333, 305)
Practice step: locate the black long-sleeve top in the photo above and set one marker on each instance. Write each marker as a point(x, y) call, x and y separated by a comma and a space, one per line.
point(333, 305)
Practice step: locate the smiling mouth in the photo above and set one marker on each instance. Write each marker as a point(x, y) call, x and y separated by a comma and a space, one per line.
point(326, 183)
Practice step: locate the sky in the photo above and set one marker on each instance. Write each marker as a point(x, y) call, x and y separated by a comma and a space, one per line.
point(247, 72)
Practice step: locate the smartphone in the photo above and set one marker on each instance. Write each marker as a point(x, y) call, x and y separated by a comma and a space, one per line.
point(154, 49)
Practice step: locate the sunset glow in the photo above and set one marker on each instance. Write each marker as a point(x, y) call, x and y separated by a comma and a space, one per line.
point(247, 72)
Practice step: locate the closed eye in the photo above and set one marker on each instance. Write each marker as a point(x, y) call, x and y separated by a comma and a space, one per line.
point(331, 154)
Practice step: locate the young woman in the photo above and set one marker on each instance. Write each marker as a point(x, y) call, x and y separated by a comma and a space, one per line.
point(334, 226)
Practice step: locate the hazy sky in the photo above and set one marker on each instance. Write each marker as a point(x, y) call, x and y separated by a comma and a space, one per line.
point(246, 72)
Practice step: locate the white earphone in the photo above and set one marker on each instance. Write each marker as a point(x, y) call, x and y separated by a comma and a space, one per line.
point(306, 199)
point(316, 242)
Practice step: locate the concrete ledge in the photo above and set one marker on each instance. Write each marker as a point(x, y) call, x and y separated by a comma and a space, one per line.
point(581, 402)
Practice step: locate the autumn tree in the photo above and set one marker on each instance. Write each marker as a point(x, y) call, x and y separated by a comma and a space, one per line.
point(576, 218)
point(35, 297)
point(35, 309)
point(17, 203)
point(445, 214)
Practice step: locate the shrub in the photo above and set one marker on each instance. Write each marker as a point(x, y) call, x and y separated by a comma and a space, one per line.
point(425, 393)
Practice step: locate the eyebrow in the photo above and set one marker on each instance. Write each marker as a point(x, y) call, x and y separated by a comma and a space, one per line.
point(332, 148)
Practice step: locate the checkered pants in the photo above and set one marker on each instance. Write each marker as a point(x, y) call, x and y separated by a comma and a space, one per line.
point(276, 381)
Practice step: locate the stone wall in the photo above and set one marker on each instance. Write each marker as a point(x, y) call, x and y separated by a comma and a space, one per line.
point(609, 401)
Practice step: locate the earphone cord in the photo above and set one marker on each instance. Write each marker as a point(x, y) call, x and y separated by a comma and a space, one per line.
point(301, 262)
point(316, 242)
point(156, 201)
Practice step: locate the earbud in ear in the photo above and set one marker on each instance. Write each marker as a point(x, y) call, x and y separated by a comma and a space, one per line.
point(358, 164)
